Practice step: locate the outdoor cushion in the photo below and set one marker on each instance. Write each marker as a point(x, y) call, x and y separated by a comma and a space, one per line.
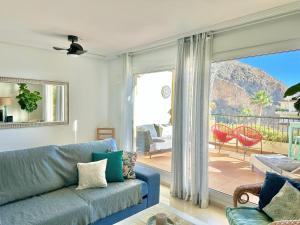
point(116, 197)
point(151, 128)
point(247, 216)
point(58, 207)
point(279, 162)
point(272, 185)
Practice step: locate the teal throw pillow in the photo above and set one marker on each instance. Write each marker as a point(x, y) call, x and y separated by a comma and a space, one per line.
point(114, 167)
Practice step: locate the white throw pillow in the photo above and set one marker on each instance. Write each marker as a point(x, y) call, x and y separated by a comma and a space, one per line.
point(285, 205)
point(92, 174)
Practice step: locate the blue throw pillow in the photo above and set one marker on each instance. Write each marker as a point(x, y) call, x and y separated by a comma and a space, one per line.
point(272, 185)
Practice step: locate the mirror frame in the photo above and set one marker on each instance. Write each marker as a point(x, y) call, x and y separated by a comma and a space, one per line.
point(37, 124)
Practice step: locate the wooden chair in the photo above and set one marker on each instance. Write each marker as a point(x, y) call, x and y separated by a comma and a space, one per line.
point(104, 133)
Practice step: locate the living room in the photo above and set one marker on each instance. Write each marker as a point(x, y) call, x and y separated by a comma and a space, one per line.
point(143, 73)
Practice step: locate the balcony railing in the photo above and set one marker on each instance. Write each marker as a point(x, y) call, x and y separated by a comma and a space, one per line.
point(273, 129)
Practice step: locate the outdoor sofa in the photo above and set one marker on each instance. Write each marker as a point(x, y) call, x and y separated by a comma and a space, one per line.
point(154, 139)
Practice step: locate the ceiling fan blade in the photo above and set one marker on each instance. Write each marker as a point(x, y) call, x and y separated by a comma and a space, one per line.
point(79, 52)
point(58, 48)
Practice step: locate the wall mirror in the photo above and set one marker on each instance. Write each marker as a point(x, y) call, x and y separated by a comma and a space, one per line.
point(30, 103)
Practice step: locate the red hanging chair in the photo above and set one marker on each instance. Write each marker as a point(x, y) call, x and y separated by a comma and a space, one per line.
point(248, 137)
point(222, 133)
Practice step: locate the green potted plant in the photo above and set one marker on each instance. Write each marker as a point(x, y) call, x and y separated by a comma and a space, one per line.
point(293, 93)
point(28, 99)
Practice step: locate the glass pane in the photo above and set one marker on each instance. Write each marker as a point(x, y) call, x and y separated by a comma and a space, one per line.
point(152, 119)
point(250, 117)
point(23, 103)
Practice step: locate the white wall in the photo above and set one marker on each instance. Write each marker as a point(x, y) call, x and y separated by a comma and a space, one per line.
point(88, 97)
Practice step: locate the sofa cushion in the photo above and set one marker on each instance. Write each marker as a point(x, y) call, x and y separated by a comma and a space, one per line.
point(247, 216)
point(114, 168)
point(81, 153)
point(29, 172)
point(59, 207)
point(272, 185)
point(92, 174)
point(285, 205)
point(24, 173)
point(116, 197)
point(129, 161)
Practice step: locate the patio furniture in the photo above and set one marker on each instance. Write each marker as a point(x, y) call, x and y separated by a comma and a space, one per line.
point(294, 141)
point(276, 163)
point(153, 139)
point(248, 137)
point(222, 133)
point(251, 215)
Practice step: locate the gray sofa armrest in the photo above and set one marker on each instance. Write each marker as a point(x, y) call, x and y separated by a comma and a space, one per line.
point(152, 179)
point(143, 141)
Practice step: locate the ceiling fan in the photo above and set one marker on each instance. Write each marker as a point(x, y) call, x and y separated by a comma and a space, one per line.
point(75, 48)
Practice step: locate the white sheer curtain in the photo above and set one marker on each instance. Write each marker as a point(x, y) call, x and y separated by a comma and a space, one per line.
point(126, 135)
point(190, 116)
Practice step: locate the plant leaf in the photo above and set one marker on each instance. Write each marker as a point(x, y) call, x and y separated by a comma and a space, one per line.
point(292, 90)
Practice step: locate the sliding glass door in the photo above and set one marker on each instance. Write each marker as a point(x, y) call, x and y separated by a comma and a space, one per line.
point(250, 117)
point(153, 119)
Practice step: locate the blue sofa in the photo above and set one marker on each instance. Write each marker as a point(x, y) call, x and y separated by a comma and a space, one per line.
point(37, 187)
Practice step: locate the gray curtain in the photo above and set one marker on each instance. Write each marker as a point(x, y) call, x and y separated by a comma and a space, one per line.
point(190, 114)
point(126, 134)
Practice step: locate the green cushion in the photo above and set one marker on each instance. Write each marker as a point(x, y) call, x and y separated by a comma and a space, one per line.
point(247, 216)
point(114, 167)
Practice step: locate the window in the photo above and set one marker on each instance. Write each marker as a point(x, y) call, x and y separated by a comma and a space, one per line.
point(248, 93)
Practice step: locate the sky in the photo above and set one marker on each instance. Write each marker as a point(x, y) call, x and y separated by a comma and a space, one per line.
point(282, 66)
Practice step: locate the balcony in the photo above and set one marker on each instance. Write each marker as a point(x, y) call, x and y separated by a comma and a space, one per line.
point(228, 168)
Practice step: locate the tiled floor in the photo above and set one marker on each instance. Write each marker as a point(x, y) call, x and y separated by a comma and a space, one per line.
point(227, 169)
point(212, 215)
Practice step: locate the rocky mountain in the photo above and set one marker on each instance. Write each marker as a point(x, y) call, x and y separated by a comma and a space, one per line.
point(234, 83)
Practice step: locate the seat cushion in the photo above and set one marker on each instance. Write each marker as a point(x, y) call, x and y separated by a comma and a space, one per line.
point(247, 216)
point(55, 208)
point(116, 197)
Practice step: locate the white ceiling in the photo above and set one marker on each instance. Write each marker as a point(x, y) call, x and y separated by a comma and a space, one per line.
point(109, 26)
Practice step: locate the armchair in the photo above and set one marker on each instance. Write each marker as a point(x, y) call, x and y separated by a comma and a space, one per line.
point(248, 215)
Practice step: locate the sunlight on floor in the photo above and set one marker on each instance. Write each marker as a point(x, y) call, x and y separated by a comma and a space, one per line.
point(227, 169)
point(213, 215)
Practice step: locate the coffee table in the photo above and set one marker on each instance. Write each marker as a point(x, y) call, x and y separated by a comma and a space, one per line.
point(179, 218)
